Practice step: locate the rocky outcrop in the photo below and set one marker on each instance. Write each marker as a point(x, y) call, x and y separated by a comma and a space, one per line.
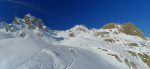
point(127, 28)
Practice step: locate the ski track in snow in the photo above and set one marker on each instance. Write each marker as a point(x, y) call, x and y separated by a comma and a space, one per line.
point(68, 66)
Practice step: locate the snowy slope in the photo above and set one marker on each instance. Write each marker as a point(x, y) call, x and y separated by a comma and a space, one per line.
point(119, 49)
point(36, 54)
point(28, 44)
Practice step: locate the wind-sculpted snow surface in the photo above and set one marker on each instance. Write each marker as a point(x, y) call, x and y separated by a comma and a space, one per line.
point(28, 44)
point(26, 53)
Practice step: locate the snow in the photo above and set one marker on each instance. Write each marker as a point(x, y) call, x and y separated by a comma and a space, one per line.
point(54, 49)
point(30, 53)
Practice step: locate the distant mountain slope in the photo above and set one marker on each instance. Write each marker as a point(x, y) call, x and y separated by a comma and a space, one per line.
point(27, 43)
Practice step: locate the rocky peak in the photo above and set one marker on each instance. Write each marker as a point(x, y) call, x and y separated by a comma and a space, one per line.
point(25, 26)
point(131, 29)
point(33, 22)
point(127, 28)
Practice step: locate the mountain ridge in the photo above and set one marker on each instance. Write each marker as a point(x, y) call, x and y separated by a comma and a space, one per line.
point(32, 22)
point(28, 43)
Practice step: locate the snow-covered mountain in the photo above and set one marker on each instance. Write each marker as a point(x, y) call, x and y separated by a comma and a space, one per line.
point(27, 43)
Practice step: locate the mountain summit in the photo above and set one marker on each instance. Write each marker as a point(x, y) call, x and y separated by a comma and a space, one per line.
point(27, 43)
point(127, 28)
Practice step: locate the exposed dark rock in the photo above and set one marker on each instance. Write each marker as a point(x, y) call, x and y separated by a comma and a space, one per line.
point(130, 64)
point(110, 40)
point(71, 35)
point(145, 58)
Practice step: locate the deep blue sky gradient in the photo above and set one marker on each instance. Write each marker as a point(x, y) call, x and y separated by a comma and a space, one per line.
point(64, 14)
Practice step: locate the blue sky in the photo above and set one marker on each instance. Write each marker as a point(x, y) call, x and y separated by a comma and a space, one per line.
point(64, 14)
